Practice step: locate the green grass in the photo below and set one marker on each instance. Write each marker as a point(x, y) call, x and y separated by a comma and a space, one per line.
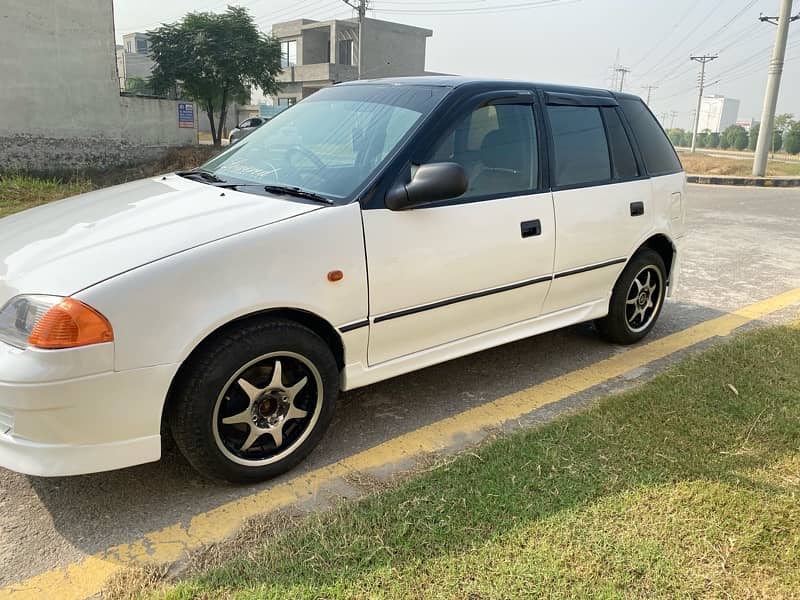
point(18, 192)
point(686, 487)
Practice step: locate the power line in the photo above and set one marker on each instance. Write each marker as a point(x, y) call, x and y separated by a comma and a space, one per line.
point(479, 10)
point(676, 71)
point(296, 12)
point(672, 115)
point(677, 46)
point(672, 67)
point(427, 4)
point(692, 6)
point(649, 89)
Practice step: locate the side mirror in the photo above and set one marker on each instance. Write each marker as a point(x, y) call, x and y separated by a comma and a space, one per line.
point(430, 183)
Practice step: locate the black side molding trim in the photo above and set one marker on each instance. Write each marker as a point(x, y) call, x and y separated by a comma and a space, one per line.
point(603, 265)
point(464, 298)
point(353, 326)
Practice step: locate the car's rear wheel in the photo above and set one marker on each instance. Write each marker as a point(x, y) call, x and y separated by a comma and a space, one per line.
point(255, 401)
point(637, 299)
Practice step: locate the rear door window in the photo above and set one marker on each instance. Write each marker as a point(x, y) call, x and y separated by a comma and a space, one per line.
point(580, 147)
point(657, 151)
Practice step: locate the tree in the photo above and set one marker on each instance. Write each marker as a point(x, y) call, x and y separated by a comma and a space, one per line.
point(137, 85)
point(728, 137)
point(754, 136)
point(214, 59)
point(702, 139)
point(784, 122)
point(677, 136)
point(792, 141)
point(724, 140)
point(777, 141)
point(713, 140)
point(741, 139)
point(736, 137)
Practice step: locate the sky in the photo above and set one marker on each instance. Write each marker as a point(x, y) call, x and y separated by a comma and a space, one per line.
point(564, 41)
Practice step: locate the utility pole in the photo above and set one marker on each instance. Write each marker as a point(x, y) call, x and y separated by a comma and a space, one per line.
point(672, 115)
point(773, 86)
point(614, 73)
point(622, 72)
point(361, 7)
point(649, 89)
point(702, 60)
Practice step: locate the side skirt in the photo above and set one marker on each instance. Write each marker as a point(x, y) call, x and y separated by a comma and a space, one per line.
point(357, 375)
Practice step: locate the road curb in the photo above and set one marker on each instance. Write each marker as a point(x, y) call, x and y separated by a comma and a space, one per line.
point(746, 181)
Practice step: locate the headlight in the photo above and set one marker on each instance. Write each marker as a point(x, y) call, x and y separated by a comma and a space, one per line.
point(52, 322)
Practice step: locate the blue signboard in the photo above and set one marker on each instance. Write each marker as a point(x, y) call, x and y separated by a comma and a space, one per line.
point(186, 115)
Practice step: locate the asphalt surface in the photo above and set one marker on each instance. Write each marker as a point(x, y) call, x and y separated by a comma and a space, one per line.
point(743, 246)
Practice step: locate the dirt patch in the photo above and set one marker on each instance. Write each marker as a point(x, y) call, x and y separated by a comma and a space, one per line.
point(702, 164)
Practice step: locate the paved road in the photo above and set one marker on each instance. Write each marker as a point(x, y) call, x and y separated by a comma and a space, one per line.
point(744, 246)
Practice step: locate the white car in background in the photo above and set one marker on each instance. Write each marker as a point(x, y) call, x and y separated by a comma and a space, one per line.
point(245, 128)
point(376, 228)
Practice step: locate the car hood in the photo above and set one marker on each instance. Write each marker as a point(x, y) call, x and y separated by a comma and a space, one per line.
point(66, 246)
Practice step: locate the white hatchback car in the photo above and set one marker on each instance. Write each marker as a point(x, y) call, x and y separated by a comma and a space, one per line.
point(376, 228)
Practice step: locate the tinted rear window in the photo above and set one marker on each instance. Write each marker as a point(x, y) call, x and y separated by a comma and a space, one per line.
point(621, 151)
point(657, 151)
point(579, 145)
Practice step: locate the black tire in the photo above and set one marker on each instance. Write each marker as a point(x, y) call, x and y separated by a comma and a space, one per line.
point(209, 386)
point(618, 327)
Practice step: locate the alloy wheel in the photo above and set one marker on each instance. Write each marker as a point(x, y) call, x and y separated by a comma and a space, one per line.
point(267, 409)
point(644, 298)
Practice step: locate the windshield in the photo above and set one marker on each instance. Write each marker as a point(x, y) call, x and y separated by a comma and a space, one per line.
point(330, 143)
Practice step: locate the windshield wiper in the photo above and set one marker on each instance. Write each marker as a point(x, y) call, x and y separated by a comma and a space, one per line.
point(200, 174)
point(289, 190)
point(283, 190)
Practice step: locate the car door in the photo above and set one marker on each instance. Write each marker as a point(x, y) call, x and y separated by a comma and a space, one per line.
point(456, 268)
point(601, 199)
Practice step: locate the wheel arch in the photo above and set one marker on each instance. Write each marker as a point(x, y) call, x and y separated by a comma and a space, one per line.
point(666, 249)
point(312, 321)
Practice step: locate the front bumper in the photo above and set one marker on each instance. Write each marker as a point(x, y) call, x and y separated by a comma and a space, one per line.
point(84, 423)
point(59, 460)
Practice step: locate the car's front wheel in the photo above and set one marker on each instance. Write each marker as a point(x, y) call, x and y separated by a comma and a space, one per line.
point(255, 401)
point(637, 299)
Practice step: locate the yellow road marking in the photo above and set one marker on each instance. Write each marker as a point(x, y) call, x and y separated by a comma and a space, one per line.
point(87, 577)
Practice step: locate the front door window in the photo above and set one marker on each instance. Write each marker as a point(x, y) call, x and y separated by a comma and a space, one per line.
point(497, 147)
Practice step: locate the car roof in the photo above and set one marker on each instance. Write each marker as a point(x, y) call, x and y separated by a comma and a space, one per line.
point(459, 81)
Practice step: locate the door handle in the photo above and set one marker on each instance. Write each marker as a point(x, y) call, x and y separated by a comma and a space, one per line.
point(637, 209)
point(531, 228)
